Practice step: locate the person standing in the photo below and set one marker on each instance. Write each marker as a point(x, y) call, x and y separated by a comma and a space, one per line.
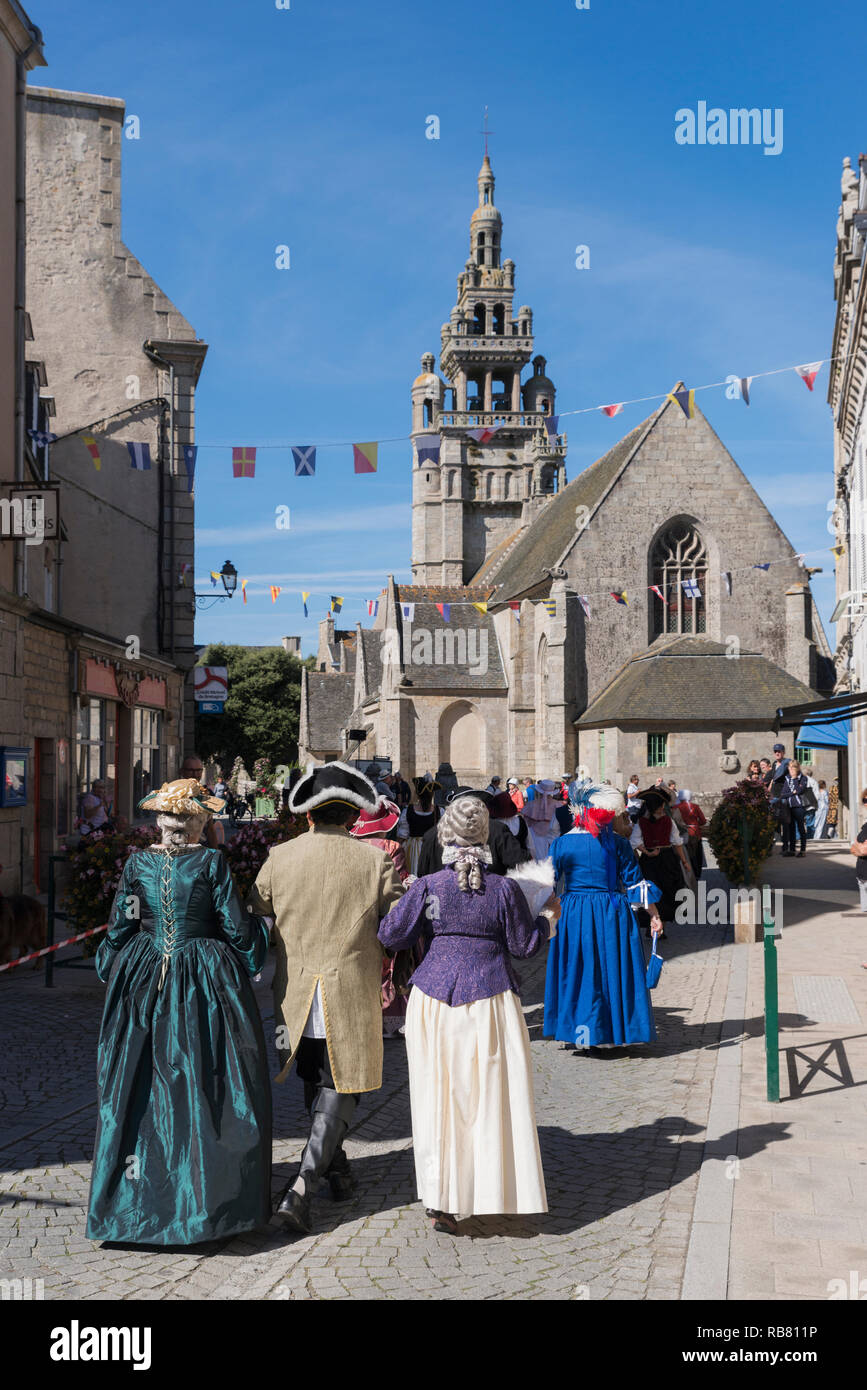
point(379, 828)
point(794, 796)
point(416, 820)
point(506, 849)
point(695, 820)
point(183, 1138)
point(595, 991)
point(470, 1073)
point(513, 787)
point(833, 810)
point(192, 766)
point(328, 894)
point(820, 822)
point(661, 855)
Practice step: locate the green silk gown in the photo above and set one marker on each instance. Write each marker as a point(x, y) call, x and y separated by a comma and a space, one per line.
point(183, 1141)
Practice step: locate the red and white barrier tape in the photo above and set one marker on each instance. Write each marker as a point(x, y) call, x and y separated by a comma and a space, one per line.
point(46, 950)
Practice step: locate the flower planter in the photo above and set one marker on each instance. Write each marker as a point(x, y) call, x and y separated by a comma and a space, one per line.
point(264, 806)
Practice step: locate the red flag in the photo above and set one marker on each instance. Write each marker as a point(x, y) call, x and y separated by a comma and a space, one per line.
point(809, 373)
point(275, 590)
point(655, 589)
point(612, 410)
point(244, 463)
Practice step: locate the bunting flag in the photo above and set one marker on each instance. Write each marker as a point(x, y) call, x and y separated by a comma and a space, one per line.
point(745, 381)
point(516, 609)
point(365, 457)
point(372, 607)
point(93, 449)
point(244, 463)
point(837, 551)
point(305, 460)
point(809, 373)
point(482, 607)
point(727, 580)
point(336, 603)
point(612, 410)
point(182, 574)
point(481, 436)
point(551, 607)
point(445, 610)
point(215, 575)
point(139, 456)
point(619, 596)
point(655, 589)
point(408, 611)
point(42, 438)
point(691, 588)
point(275, 590)
point(685, 399)
point(427, 448)
point(190, 452)
point(244, 583)
point(552, 423)
point(304, 598)
point(585, 604)
point(764, 567)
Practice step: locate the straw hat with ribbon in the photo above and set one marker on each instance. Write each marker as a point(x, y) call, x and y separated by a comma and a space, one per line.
point(185, 797)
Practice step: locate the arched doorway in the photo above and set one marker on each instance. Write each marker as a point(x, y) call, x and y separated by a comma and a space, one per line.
point(462, 741)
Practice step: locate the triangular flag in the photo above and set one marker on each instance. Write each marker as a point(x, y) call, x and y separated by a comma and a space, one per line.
point(516, 609)
point(190, 452)
point(551, 607)
point(445, 610)
point(612, 410)
point(655, 589)
point(42, 438)
point(765, 567)
point(727, 580)
point(619, 596)
point(685, 399)
point(746, 382)
point(244, 463)
point(427, 448)
point(372, 607)
point(93, 450)
point(584, 600)
point(215, 575)
point(482, 607)
point(408, 611)
point(838, 550)
point(304, 598)
point(244, 583)
point(552, 423)
point(365, 457)
point(305, 459)
point(275, 590)
point(336, 603)
point(809, 373)
point(139, 456)
point(183, 572)
point(481, 436)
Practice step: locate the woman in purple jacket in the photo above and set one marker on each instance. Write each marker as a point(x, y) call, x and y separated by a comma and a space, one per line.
point(470, 1073)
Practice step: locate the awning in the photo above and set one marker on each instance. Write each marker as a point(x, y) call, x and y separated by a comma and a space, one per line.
point(832, 735)
point(822, 713)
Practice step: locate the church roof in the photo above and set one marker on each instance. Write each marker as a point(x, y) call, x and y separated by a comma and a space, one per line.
point(462, 654)
point(330, 697)
point(694, 682)
point(544, 541)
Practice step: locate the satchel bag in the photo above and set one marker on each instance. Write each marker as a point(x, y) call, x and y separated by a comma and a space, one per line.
point(808, 799)
point(654, 967)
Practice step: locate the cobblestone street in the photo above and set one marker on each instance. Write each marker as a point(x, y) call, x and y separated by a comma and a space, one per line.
point(622, 1144)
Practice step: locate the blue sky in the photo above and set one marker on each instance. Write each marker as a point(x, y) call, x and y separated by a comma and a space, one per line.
point(306, 127)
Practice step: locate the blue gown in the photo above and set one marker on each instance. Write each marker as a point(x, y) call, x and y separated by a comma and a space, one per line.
point(183, 1141)
point(594, 989)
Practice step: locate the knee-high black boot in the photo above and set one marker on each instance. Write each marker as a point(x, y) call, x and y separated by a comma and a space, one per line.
point(332, 1112)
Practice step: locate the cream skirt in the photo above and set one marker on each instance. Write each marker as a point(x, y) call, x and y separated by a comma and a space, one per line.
point(473, 1118)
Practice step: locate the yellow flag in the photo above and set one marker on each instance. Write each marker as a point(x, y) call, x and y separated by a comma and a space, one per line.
point(482, 607)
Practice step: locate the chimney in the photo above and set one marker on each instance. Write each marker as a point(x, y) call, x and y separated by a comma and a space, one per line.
point(292, 645)
point(800, 647)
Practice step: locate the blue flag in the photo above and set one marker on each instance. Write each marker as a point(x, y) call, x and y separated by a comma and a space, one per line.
point(427, 448)
point(139, 456)
point(305, 460)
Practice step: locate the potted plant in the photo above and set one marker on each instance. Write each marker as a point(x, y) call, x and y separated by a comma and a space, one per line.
point(741, 835)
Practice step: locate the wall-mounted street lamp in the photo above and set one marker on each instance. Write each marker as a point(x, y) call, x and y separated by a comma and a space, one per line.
point(229, 576)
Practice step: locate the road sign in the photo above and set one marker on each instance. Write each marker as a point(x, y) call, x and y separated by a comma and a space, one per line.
point(210, 683)
point(211, 706)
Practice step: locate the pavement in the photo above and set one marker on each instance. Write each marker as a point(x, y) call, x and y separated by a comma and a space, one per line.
point(669, 1176)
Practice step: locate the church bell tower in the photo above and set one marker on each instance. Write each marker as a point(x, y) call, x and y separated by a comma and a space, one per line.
point(499, 461)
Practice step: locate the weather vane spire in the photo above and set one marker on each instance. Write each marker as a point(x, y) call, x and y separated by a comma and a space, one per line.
point(486, 132)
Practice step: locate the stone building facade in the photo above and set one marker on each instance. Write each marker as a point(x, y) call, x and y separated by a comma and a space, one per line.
point(506, 654)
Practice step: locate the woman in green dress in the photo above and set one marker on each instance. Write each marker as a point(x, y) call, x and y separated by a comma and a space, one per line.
point(183, 1141)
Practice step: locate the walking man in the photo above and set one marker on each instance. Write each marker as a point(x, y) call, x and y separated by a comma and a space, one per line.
point(328, 894)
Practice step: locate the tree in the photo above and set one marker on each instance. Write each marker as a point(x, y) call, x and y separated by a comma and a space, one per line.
point(261, 714)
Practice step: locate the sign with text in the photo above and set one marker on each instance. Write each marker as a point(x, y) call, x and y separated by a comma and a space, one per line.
point(210, 683)
point(29, 514)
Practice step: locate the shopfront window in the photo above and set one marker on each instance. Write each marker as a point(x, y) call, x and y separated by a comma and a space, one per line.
point(90, 751)
point(147, 729)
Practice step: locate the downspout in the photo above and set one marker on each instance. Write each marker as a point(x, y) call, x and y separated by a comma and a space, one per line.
point(21, 279)
point(155, 357)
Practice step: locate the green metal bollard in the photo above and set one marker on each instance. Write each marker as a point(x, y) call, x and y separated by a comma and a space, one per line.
point(772, 1016)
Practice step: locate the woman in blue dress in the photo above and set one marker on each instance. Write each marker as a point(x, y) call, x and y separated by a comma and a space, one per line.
point(595, 991)
point(183, 1140)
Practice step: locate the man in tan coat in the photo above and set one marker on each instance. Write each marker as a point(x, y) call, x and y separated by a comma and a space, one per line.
point(328, 894)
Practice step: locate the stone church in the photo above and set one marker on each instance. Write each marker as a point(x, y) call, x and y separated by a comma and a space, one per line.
point(507, 653)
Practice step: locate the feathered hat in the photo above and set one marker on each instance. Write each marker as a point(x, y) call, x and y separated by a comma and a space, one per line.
point(333, 782)
point(185, 797)
point(596, 806)
point(378, 822)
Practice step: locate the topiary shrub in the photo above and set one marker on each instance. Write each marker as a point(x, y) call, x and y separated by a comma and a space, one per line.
point(742, 811)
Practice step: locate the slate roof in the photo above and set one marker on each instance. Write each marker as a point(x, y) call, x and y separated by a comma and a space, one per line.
point(371, 645)
point(330, 696)
point(543, 542)
point(462, 654)
point(694, 681)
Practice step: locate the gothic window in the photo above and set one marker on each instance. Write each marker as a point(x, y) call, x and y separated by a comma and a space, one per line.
point(679, 570)
point(499, 318)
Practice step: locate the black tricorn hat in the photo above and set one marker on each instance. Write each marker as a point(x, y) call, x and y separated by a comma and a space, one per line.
point(333, 782)
point(485, 797)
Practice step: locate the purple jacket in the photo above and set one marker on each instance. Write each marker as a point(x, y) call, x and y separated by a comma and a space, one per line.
point(470, 935)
